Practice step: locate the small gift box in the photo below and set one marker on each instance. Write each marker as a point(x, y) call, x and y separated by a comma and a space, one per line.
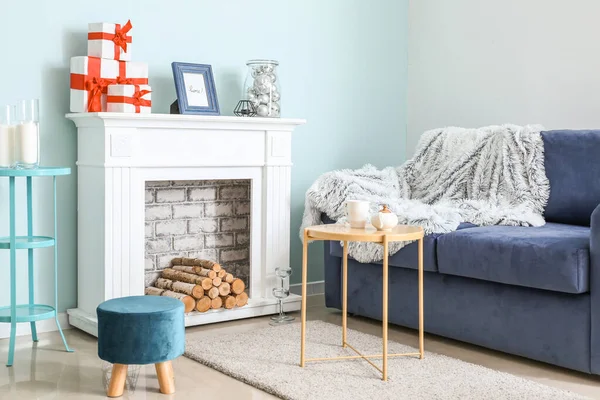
point(129, 99)
point(90, 77)
point(110, 41)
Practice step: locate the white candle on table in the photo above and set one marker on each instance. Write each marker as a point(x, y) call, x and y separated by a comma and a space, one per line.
point(6, 145)
point(26, 138)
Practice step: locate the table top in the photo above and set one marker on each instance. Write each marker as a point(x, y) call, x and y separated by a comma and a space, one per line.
point(40, 171)
point(368, 234)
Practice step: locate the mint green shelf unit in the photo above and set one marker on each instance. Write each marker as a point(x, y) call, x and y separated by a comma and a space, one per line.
point(31, 312)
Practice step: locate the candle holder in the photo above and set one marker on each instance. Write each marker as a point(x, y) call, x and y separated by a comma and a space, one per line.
point(7, 136)
point(282, 292)
point(244, 108)
point(27, 135)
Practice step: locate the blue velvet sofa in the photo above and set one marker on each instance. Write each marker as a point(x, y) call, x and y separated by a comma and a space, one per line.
point(533, 292)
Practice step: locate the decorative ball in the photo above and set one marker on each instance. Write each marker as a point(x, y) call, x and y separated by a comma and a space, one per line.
point(263, 83)
point(272, 76)
point(251, 96)
point(275, 110)
point(275, 96)
point(263, 79)
point(263, 88)
point(256, 71)
point(268, 68)
point(262, 110)
point(251, 90)
point(264, 99)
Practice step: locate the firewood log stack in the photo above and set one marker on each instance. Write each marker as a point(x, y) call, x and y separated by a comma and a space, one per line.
point(201, 285)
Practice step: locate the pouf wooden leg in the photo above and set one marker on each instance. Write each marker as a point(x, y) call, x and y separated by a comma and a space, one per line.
point(117, 380)
point(166, 380)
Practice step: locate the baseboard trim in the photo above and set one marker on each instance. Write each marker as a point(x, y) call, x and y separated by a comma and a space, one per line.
point(47, 325)
point(312, 288)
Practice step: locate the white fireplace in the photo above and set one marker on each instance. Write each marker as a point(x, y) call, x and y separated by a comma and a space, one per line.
point(119, 153)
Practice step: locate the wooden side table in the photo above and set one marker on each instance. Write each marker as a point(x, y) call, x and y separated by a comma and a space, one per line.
point(346, 234)
point(30, 312)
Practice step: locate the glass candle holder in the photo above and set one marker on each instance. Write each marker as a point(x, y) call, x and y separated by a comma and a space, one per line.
point(7, 136)
point(281, 293)
point(27, 135)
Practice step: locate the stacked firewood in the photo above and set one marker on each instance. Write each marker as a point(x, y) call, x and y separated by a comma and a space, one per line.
point(201, 285)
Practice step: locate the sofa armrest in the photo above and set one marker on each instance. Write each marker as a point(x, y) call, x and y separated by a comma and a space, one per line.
point(595, 242)
point(595, 290)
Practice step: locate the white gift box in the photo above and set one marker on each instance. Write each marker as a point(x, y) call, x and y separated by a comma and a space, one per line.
point(129, 99)
point(84, 72)
point(90, 77)
point(109, 41)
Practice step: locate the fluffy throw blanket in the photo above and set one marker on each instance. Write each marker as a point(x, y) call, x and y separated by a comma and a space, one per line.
point(488, 176)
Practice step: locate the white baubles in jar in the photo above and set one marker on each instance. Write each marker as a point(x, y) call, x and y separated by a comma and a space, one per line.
point(262, 88)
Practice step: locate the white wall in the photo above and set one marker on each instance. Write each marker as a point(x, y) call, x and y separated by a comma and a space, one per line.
point(474, 63)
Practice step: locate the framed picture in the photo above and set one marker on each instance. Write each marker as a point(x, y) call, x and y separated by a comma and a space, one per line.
point(195, 86)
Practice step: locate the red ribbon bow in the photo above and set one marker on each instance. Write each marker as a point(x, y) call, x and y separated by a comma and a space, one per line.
point(121, 39)
point(124, 81)
point(139, 94)
point(95, 87)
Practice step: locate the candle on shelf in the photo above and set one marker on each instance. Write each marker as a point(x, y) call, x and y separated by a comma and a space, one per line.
point(7, 114)
point(27, 145)
point(27, 136)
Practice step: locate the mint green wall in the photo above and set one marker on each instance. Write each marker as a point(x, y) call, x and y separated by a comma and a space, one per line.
point(343, 67)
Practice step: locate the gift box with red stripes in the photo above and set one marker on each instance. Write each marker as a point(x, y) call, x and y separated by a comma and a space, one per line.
point(129, 99)
point(110, 41)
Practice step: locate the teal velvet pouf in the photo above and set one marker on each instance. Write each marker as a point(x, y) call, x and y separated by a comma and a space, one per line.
point(140, 330)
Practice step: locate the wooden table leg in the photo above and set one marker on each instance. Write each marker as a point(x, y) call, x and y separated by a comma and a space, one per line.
point(385, 307)
point(345, 294)
point(166, 380)
point(421, 318)
point(303, 312)
point(117, 380)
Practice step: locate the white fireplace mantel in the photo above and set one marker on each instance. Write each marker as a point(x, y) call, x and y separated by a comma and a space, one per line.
point(118, 153)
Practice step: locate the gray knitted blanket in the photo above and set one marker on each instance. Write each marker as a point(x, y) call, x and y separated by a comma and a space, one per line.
point(488, 176)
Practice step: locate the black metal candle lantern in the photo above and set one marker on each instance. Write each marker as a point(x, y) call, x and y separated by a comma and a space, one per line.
point(245, 108)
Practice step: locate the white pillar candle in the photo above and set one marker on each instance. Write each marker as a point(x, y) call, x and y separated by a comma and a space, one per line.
point(26, 138)
point(6, 146)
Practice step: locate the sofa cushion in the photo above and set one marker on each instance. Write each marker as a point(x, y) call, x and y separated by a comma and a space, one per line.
point(407, 257)
point(553, 256)
point(573, 169)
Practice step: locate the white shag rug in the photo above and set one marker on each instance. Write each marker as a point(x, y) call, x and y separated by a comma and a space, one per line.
point(268, 360)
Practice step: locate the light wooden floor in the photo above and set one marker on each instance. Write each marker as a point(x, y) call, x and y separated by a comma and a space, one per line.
point(46, 372)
